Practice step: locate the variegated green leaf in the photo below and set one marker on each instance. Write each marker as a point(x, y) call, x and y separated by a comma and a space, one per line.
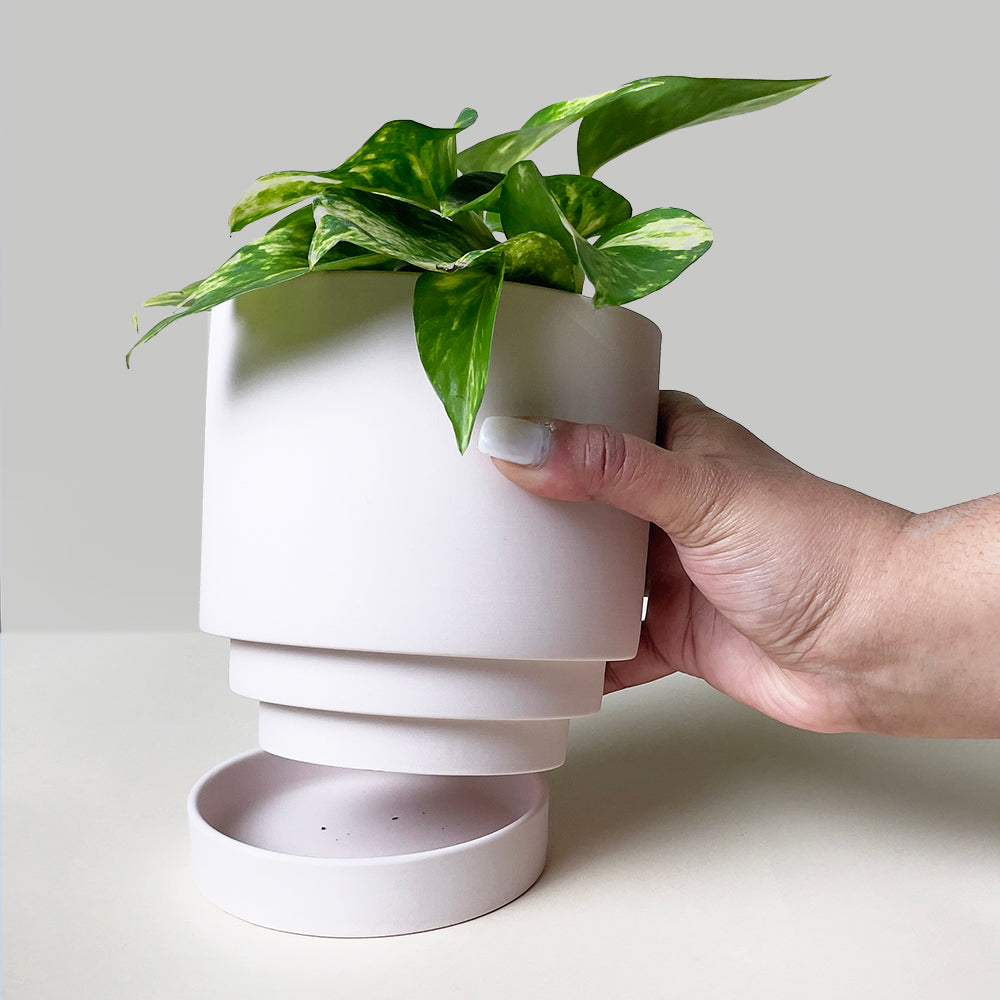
point(349, 257)
point(387, 226)
point(475, 192)
point(278, 255)
point(526, 206)
point(273, 192)
point(361, 262)
point(534, 259)
point(171, 298)
point(589, 206)
point(472, 224)
point(537, 259)
point(329, 231)
point(644, 253)
point(671, 102)
point(406, 160)
point(501, 152)
point(453, 315)
point(403, 159)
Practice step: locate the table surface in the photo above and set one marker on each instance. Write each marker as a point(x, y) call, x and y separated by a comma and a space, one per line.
point(698, 849)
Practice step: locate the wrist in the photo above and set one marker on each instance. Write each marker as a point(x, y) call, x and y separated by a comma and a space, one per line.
point(931, 666)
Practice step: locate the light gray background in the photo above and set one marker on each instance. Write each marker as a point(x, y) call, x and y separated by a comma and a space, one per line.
point(847, 312)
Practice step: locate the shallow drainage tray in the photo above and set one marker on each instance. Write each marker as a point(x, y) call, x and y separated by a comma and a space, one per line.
point(337, 852)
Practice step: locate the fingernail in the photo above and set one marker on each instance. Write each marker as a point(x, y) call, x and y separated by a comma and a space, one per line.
point(523, 442)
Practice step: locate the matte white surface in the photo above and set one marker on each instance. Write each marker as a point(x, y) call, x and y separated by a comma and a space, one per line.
point(393, 541)
point(418, 714)
point(697, 850)
point(420, 746)
point(339, 853)
point(339, 513)
point(421, 686)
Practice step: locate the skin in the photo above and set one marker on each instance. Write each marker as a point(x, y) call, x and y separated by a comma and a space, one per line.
point(821, 607)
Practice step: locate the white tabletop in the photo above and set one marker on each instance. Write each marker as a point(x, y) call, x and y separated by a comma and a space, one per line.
point(697, 850)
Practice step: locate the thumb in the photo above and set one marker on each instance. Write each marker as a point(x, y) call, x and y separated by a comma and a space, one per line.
point(568, 461)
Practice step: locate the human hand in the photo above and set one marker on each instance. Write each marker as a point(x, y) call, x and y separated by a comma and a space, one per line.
point(778, 588)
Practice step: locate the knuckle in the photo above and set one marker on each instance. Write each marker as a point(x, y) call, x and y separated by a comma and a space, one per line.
point(609, 463)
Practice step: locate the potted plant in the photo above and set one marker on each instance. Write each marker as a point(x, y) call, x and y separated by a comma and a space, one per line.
point(394, 604)
point(407, 201)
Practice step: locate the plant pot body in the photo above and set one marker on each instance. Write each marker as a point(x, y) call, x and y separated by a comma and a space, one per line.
point(400, 611)
point(339, 514)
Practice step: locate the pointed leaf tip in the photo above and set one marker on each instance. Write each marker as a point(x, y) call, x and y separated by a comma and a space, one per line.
point(453, 315)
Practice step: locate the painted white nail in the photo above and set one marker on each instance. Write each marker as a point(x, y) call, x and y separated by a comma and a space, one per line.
point(523, 442)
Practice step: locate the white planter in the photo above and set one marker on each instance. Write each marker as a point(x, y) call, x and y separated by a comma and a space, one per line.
point(400, 611)
point(345, 538)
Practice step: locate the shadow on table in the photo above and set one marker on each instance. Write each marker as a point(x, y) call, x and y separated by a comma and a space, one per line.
point(706, 767)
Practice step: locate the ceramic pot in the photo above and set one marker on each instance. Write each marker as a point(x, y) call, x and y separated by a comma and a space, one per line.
point(393, 604)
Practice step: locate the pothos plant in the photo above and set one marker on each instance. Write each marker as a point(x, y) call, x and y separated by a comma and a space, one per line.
point(408, 200)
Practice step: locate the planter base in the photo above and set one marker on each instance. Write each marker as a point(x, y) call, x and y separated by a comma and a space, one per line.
point(415, 714)
point(338, 853)
point(414, 746)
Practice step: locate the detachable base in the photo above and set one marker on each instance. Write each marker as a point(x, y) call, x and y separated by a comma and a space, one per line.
point(337, 853)
point(415, 714)
point(416, 746)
